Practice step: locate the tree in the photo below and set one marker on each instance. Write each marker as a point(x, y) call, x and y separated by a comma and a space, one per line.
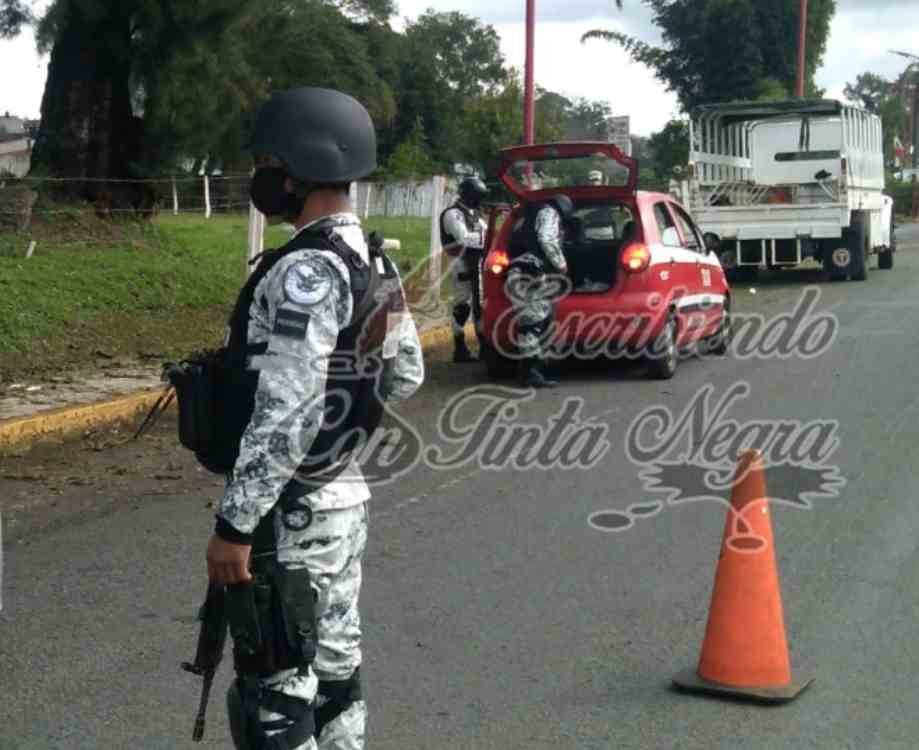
point(445, 61)
point(723, 50)
point(135, 84)
point(588, 120)
point(869, 91)
point(107, 59)
point(669, 148)
point(494, 121)
point(412, 159)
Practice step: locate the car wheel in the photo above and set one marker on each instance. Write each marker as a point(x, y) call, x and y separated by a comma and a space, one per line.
point(721, 341)
point(664, 355)
point(497, 365)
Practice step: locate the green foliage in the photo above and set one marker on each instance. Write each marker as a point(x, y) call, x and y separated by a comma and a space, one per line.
point(412, 159)
point(184, 80)
point(668, 148)
point(130, 287)
point(14, 14)
point(724, 50)
point(494, 121)
point(882, 97)
point(869, 91)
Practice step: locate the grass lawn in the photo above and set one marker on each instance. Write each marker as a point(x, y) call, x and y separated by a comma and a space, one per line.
point(126, 289)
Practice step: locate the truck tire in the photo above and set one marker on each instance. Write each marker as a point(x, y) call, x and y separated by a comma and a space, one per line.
point(858, 247)
point(885, 256)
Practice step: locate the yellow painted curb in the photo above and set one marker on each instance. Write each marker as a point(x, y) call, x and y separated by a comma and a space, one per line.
point(57, 425)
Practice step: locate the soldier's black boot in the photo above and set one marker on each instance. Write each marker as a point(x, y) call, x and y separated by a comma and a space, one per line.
point(529, 376)
point(461, 352)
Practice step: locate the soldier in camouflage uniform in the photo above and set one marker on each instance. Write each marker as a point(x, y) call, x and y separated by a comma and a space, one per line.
point(300, 308)
point(537, 276)
point(462, 234)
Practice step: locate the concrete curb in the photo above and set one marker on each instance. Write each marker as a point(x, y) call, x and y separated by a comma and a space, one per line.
point(58, 425)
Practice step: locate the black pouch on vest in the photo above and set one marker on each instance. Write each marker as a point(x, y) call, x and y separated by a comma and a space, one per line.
point(199, 385)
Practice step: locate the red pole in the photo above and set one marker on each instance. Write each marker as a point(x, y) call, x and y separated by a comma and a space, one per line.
point(529, 121)
point(802, 48)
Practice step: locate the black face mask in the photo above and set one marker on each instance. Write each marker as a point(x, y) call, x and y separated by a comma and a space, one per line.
point(268, 194)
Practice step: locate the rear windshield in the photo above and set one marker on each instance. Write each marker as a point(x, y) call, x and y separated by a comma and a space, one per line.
point(603, 222)
point(575, 171)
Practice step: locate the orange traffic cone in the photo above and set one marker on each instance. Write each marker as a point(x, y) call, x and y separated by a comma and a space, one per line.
point(745, 653)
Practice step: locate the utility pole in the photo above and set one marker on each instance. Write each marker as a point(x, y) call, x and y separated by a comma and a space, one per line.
point(802, 49)
point(913, 64)
point(529, 118)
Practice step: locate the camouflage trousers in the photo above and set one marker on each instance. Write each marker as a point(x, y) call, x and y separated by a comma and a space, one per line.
point(533, 313)
point(331, 548)
point(461, 275)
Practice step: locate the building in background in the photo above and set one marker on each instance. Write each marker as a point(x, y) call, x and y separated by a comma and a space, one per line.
point(15, 147)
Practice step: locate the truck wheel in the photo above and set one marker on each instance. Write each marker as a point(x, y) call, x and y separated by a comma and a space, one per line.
point(885, 257)
point(858, 247)
point(497, 366)
point(665, 355)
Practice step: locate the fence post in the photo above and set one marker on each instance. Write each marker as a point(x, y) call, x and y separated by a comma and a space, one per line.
point(438, 185)
point(175, 198)
point(207, 198)
point(256, 235)
point(352, 195)
point(369, 186)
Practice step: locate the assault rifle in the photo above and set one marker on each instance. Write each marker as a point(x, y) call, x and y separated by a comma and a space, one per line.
point(211, 643)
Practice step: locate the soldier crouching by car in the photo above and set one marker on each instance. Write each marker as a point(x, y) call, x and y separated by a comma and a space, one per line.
point(292, 523)
point(536, 278)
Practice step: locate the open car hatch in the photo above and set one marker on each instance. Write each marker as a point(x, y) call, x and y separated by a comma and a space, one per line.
point(580, 170)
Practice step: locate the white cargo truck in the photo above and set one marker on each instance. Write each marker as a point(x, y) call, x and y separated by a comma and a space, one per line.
point(774, 183)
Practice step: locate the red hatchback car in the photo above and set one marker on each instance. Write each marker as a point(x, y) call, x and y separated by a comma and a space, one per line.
point(641, 281)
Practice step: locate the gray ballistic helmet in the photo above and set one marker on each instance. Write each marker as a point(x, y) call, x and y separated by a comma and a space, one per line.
point(321, 135)
point(562, 204)
point(472, 191)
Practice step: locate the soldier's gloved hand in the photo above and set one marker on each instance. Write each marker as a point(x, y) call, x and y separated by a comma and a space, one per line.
point(227, 563)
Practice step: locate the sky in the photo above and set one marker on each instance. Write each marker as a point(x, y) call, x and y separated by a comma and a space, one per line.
point(861, 34)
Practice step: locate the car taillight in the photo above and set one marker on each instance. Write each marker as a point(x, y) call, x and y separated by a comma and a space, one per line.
point(498, 262)
point(636, 258)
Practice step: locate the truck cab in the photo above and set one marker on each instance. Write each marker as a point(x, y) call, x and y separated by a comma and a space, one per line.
point(775, 183)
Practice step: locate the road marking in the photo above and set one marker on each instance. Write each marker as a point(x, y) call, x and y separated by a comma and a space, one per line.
point(417, 499)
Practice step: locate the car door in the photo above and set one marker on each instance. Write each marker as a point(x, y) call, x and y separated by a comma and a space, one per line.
point(707, 304)
point(678, 274)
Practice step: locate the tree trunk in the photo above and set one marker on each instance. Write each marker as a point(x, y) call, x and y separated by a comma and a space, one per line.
point(88, 131)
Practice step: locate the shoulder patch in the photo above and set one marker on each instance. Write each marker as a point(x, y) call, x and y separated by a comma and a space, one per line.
point(307, 282)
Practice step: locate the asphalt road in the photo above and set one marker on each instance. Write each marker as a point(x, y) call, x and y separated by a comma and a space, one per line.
point(495, 615)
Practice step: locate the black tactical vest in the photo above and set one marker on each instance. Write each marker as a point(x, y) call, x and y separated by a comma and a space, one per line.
point(470, 217)
point(523, 238)
point(359, 370)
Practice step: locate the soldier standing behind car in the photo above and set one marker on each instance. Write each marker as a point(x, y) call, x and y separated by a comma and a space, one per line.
point(536, 277)
point(462, 234)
